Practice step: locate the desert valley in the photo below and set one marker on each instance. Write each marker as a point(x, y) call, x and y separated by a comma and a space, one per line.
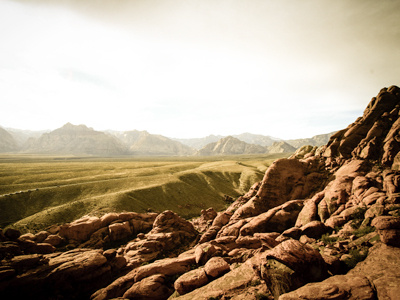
point(131, 215)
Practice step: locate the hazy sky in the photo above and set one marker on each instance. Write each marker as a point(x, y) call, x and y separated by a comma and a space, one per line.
point(190, 68)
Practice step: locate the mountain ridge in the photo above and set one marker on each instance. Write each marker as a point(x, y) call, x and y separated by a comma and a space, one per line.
point(135, 142)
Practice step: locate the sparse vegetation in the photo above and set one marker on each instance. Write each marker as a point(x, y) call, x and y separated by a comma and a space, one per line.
point(39, 191)
point(356, 255)
point(358, 217)
point(363, 231)
point(328, 239)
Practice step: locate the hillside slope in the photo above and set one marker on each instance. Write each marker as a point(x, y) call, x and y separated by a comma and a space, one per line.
point(76, 140)
point(7, 142)
point(230, 146)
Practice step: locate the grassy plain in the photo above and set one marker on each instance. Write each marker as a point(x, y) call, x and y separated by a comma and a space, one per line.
point(38, 191)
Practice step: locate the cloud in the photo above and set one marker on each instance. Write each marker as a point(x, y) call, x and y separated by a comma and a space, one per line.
point(283, 68)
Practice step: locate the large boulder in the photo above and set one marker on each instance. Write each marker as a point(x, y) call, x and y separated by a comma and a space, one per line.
point(389, 229)
point(227, 285)
point(285, 179)
point(190, 281)
point(377, 277)
point(216, 267)
point(151, 288)
point(69, 275)
point(290, 265)
point(81, 229)
point(277, 219)
point(166, 267)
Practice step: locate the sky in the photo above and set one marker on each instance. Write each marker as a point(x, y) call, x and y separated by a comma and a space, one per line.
point(185, 69)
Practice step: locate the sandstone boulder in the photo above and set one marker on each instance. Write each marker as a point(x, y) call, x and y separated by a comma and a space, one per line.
point(230, 283)
point(76, 273)
point(285, 179)
point(290, 265)
point(81, 229)
point(389, 229)
point(216, 267)
point(377, 277)
point(314, 229)
point(151, 288)
point(191, 281)
point(336, 287)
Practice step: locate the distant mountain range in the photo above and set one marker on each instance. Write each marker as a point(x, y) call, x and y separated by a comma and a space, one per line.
point(81, 140)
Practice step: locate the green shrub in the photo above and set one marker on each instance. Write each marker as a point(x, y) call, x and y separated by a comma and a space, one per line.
point(363, 231)
point(356, 257)
point(327, 239)
point(358, 217)
point(262, 296)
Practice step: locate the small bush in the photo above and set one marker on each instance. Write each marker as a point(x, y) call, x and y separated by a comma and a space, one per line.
point(358, 217)
point(363, 231)
point(356, 257)
point(262, 296)
point(327, 239)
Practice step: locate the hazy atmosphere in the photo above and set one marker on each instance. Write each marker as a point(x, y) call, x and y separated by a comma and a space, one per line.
point(288, 69)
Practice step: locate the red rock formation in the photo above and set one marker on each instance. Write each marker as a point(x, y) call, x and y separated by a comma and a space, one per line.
point(331, 199)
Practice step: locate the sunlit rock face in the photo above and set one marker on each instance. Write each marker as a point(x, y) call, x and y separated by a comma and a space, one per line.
point(375, 135)
point(318, 214)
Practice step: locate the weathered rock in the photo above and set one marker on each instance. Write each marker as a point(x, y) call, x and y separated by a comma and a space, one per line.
point(203, 252)
point(290, 265)
point(277, 219)
point(220, 220)
point(231, 282)
point(358, 138)
point(81, 229)
point(205, 220)
point(41, 236)
point(309, 211)
point(216, 267)
point(167, 267)
point(314, 229)
point(377, 277)
point(150, 288)
point(54, 240)
point(12, 234)
point(60, 275)
point(293, 233)
point(119, 231)
point(248, 242)
point(268, 240)
point(285, 179)
point(28, 236)
point(389, 229)
point(336, 287)
point(190, 281)
point(9, 249)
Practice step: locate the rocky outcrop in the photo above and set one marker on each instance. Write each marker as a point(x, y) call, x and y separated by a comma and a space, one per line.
point(323, 224)
point(75, 273)
point(285, 179)
point(377, 277)
point(290, 265)
point(372, 136)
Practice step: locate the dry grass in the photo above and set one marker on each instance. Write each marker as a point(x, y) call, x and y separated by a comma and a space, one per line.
point(61, 189)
